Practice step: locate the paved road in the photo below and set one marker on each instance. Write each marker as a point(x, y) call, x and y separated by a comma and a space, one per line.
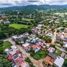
point(54, 37)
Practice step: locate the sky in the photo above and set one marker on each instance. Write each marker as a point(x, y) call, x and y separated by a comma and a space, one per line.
point(5, 3)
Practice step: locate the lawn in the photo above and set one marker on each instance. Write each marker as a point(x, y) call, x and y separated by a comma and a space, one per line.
point(18, 26)
point(40, 54)
point(4, 45)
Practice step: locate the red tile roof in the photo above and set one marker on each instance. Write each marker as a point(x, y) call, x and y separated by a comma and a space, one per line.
point(36, 46)
point(49, 60)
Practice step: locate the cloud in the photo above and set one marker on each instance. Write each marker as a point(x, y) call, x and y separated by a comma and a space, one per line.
point(32, 2)
point(59, 2)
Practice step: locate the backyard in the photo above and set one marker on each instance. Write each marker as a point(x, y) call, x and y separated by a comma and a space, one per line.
point(40, 54)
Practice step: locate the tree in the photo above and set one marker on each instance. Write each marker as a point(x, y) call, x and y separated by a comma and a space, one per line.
point(29, 61)
point(4, 62)
point(47, 39)
point(1, 42)
point(65, 63)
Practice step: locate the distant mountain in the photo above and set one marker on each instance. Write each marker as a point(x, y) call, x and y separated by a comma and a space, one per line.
point(39, 7)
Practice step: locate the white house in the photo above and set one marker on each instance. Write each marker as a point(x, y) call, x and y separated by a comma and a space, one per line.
point(59, 61)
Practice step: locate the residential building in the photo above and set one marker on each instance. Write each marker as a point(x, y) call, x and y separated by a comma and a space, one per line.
point(59, 62)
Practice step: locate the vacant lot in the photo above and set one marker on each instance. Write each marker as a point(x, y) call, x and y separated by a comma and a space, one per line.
point(18, 26)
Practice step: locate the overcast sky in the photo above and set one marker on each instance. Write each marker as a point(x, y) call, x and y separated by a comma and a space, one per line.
point(31, 2)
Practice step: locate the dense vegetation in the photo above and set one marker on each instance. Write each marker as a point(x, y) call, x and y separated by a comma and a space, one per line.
point(65, 63)
point(7, 31)
point(38, 55)
point(4, 62)
point(4, 45)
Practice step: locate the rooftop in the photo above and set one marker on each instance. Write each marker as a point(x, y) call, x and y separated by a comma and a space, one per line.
point(49, 60)
point(59, 61)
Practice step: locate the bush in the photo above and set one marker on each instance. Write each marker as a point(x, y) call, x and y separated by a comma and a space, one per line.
point(27, 60)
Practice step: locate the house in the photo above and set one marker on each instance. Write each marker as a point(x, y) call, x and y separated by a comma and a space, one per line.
point(65, 30)
point(34, 30)
point(61, 36)
point(33, 40)
point(1, 21)
point(21, 38)
point(6, 22)
point(65, 37)
point(59, 62)
point(51, 49)
point(37, 29)
point(19, 61)
point(14, 65)
point(52, 55)
point(26, 46)
point(24, 64)
point(49, 60)
point(14, 37)
point(41, 43)
point(11, 52)
point(36, 48)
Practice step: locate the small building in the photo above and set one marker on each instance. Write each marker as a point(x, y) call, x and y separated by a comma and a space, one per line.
point(26, 46)
point(65, 30)
point(51, 49)
point(59, 62)
point(65, 37)
point(36, 48)
point(6, 22)
point(49, 60)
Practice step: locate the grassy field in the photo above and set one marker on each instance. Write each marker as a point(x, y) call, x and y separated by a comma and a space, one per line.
point(18, 26)
point(4, 45)
point(25, 19)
